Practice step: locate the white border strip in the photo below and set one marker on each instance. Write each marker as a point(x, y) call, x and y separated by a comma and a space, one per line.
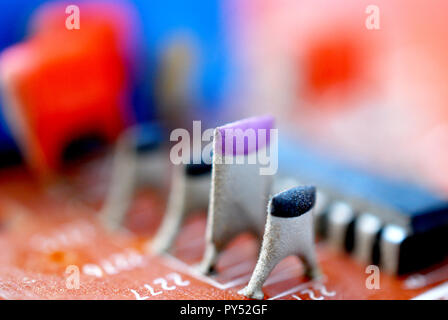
point(436, 293)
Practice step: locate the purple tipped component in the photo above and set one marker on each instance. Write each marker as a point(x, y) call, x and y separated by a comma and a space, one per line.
point(245, 136)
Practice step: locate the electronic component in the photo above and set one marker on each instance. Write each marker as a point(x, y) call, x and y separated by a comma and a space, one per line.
point(39, 243)
point(191, 33)
point(189, 193)
point(382, 221)
point(70, 85)
point(367, 227)
point(9, 152)
point(12, 29)
point(55, 94)
point(289, 231)
point(239, 193)
point(340, 215)
point(139, 158)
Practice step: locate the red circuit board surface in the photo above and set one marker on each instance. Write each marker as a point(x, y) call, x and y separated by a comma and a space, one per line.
point(45, 230)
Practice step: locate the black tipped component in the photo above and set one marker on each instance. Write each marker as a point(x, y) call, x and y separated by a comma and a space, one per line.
point(198, 169)
point(293, 202)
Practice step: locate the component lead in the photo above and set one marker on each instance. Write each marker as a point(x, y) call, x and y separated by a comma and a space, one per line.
point(391, 241)
point(189, 193)
point(138, 158)
point(289, 231)
point(239, 192)
point(367, 227)
point(340, 215)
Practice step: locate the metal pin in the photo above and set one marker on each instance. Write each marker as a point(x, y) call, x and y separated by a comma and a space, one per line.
point(391, 240)
point(239, 193)
point(367, 227)
point(322, 203)
point(339, 218)
point(189, 193)
point(289, 231)
point(320, 212)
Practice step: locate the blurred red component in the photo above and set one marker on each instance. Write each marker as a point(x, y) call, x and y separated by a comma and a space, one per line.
point(332, 63)
point(64, 84)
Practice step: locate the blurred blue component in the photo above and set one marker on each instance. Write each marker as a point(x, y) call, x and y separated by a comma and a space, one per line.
point(14, 16)
point(149, 137)
point(14, 19)
point(9, 151)
point(143, 100)
point(422, 209)
point(204, 22)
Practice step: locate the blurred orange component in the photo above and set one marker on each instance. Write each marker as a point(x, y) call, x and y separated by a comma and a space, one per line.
point(332, 63)
point(64, 84)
